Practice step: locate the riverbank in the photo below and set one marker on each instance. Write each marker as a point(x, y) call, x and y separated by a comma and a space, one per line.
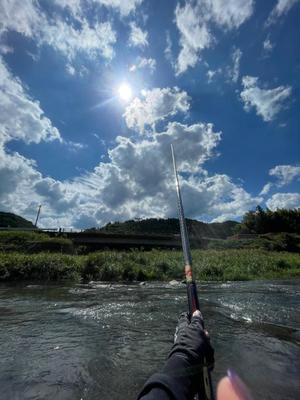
point(222, 265)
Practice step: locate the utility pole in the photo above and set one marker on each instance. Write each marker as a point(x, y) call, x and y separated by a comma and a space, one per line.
point(37, 215)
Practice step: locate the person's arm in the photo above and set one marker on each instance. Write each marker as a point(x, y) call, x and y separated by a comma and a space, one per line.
point(178, 379)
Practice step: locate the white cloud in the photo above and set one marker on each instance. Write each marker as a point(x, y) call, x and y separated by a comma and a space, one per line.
point(95, 40)
point(137, 179)
point(212, 74)
point(155, 105)
point(125, 7)
point(73, 5)
point(28, 19)
point(195, 20)
point(195, 35)
point(285, 173)
point(55, 194)
point(268, 102)
point(268, 46)
point(282, 8)
point(22, 16)
point(234, 71)
point(4, 49)
point(233, 202)
point(21, 117)
point(143, 62)
point(137, 37)
point(284, 200)
point(266, 189)
point(230, 13)
point(168, 50)
point(70, 69)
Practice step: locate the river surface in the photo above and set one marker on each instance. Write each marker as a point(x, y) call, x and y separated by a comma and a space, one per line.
point(103, 341)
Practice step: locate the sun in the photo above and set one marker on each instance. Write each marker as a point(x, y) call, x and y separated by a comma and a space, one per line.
point(125, 92)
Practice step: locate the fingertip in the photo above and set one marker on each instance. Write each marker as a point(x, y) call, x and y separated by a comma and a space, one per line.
point(225, 390)
point(197, 313)
point(232, 388)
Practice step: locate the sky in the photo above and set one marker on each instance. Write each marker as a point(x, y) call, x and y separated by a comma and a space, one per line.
point(93, 92)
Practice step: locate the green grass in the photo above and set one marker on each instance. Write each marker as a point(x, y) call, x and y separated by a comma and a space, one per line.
point(34, 242)
point(218, 265)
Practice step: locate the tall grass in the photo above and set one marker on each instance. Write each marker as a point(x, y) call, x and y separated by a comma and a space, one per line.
point(154, 265)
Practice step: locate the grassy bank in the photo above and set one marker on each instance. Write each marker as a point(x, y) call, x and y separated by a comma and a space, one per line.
point(219, 265)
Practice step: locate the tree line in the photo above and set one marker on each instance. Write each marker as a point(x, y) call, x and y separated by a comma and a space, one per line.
point(264, 221)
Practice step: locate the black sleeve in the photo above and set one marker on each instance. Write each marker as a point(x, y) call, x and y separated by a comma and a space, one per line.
point(156, 394)
point(174, 383)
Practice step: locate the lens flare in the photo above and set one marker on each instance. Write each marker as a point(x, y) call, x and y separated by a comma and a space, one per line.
point(125, 92)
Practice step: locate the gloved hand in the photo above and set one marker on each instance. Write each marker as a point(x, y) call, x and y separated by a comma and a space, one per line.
point(181, 375)
point(193, 341)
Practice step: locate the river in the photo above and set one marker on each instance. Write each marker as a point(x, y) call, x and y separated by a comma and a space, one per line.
point(103, 341)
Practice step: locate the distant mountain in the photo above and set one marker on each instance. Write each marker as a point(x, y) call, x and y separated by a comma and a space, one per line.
point(218, 230)
point(10, 220)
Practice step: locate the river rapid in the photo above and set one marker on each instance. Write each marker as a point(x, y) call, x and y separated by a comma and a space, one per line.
point(102, 341)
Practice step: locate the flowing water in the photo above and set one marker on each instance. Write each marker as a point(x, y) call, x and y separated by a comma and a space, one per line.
point(103, 341)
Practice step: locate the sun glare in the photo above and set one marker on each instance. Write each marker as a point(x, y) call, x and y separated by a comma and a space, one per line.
point(125, 92)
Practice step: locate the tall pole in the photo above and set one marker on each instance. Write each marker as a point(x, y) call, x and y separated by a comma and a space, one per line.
point(205, 384)
point(37, 215)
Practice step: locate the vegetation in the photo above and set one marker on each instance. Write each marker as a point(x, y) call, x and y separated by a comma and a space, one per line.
point(14, 221)
point(270, 242)
point(170, 227)
point(34, 242)
point(155, 265)
point(264, 221)
point(33, 255)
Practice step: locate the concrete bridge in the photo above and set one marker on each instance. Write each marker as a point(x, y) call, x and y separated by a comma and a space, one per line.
point(100, 240)
point(95, 240)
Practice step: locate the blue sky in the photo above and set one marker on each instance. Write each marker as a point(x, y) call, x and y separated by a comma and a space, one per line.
point(218, 79)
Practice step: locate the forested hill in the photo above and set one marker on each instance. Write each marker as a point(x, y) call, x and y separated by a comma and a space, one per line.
point(171, 226)
point(10, 220)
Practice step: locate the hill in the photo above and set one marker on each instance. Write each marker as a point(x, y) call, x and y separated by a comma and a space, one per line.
point(13, 221)
point(217, 230)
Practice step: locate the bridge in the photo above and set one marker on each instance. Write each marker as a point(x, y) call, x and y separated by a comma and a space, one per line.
point(95, 240)
point(100, 240)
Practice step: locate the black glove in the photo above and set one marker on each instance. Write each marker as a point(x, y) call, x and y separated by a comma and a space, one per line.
point(180, 376)
point(191, 340)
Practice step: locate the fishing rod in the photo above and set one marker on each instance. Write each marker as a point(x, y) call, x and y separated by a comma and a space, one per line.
point(205, 388)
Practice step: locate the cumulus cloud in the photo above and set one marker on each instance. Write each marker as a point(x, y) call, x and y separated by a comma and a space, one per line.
point(22, 16)
point(155, 105)
point(281, 8)
point(27, 18)
point(285, 173)
point(284, 200)
point(142, 62)
point(137, 37)
point(55, 194)
point(21, 117)
point(124, 7)
point(267, 102)
point(195, 20)
point(92, 40)
point(195, 35)
point(137, 179)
